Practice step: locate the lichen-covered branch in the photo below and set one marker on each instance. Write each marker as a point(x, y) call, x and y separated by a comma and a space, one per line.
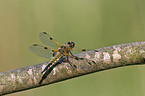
point(96, 60)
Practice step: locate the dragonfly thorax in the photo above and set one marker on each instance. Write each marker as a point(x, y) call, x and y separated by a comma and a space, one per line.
point(61, 50)
point(64, 49)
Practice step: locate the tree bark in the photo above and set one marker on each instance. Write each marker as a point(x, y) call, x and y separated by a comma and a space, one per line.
point(96, 60)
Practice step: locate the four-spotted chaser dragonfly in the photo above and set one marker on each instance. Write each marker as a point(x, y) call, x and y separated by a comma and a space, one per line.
point(61, 54)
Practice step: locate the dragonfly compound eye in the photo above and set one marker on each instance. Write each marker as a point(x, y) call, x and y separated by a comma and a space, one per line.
point(45, 48)
point(72, 44)
point(68, 42)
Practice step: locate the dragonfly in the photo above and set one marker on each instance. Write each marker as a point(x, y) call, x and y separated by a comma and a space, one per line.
point(60, 53)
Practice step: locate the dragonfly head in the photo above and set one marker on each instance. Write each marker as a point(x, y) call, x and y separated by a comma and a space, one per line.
point(71, 44)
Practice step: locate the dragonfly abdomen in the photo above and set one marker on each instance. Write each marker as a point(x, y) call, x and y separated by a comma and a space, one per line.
point(54, 60)
point(51, 65)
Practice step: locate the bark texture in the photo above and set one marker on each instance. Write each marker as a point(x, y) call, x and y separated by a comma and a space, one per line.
point(96, 60)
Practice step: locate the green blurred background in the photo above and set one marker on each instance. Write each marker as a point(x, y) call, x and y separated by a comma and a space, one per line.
point(89, 23)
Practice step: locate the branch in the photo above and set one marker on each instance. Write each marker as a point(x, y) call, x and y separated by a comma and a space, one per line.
point(106, 58)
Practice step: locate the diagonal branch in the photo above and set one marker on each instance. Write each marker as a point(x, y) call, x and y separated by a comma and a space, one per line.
point(101, 59)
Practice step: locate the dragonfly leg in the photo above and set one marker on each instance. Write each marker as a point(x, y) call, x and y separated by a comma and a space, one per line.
point(75, 57)
point(73, 66)
point(71, 53)
point(78, 58)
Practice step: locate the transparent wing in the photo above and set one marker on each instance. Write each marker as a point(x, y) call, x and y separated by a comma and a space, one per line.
point(41, 50)
point(48, 40)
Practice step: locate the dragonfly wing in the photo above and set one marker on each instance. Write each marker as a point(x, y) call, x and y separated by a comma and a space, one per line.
point(41, 50)
point(48, 40)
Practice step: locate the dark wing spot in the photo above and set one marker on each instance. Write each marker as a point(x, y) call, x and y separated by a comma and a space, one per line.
point(50, 38)
point(35, 45)
point(83, 49)
point(44, 32)
point(52, 50)
point(48, 35)
point(45, 48)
